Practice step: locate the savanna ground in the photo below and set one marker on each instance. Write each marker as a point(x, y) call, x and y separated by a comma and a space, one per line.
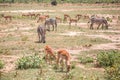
point(19, 38)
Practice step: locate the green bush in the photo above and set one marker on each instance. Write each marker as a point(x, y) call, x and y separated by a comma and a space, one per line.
point(108, 58)
point(1, 64)
point(113, 73)
point(86, 60)
point(29, 62)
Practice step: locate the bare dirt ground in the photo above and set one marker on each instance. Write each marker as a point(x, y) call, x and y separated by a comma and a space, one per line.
point(9, 62)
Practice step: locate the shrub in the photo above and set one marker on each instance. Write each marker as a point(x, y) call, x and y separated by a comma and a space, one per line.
point(86, 60)
point(108, 58)
point(113, 73)
point(29, 62)
point(1, 64)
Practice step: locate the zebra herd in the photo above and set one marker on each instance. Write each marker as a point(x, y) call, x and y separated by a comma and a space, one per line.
point(41, 30)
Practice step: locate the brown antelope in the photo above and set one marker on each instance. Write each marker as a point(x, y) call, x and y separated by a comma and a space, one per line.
point(6, 17)
point(74, 20)
point(64, 55)
point(58, 19)
point(32, 15)
point(86, 17)
point(37, 15)
point(78, 16)
point(25, 15)
point(47, 16)
point(114, 17)
point(66, 17)
point(49, 53)
point(42, 18)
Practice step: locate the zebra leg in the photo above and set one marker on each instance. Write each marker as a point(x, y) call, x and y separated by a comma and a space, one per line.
point(48, 27)
point(43, 38)
point(53, 27)
point(56, 25)
point(98, 26)
point(91, 26)
point(102, 26)
point(106, 26)
point(39, 37)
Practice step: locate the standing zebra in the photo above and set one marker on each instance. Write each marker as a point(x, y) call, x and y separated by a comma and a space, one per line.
point(98, 21)
point(51, 21)
point(41, 30)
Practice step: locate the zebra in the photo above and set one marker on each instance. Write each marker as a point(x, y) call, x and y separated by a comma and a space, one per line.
point(51, 21)
point(99, 21)
point(41, 30)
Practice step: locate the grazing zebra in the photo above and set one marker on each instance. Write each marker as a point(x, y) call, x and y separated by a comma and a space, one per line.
point(51, 21)
point(41, 30)
point(99, 21)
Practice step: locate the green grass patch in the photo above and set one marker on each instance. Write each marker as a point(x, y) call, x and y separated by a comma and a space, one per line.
point(108, 58)
point(86, 60)
point(29, 62)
